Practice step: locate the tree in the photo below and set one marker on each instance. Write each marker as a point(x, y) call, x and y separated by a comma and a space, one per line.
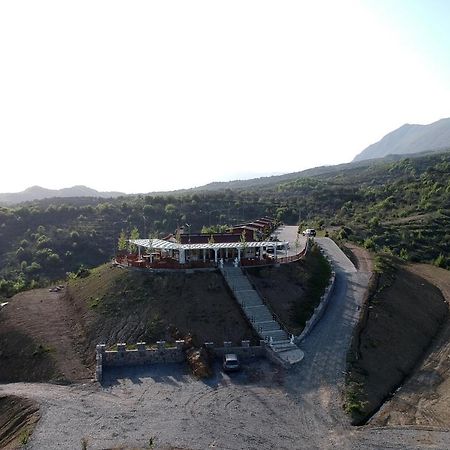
point(243, 240)
point(133, 236)
point(122, 243)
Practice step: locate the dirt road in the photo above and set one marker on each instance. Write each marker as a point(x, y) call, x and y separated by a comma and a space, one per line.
point(261, 408)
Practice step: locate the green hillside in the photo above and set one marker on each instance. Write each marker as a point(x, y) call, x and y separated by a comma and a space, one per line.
point(400, 206)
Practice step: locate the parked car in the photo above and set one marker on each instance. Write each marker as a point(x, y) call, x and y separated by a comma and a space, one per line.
point(309, 232)
point(231, 362)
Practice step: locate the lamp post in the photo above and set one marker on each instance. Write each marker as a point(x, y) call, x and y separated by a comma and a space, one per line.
point(189, 226)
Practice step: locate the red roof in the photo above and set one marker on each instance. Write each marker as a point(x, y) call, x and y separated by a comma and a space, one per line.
point(205, 238)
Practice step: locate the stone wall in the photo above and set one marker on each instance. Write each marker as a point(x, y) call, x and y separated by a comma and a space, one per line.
point(320, 309)
point(144, 354)
point(245, 351)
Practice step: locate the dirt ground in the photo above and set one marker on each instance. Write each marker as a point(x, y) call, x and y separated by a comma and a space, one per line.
point(402, 320)
point(38, 339)
point(361, 258)
point(51, 336)
point(425, 397)
point(132, 306)
point(268, 280)
point(287, 289)
point(18, 417)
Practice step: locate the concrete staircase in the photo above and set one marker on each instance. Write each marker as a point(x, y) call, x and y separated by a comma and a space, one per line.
point(260, 316)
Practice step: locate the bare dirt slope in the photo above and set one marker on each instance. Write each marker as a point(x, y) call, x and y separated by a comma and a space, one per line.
point(51, 336)
point(403, 317)
point(39, 331)
point(425, 398)
point(120, 305)
point(18, 417)
point(362, 258)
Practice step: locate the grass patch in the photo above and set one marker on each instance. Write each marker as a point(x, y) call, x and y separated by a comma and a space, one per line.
point(41, 350)
point(94, 302)
point(354, 400)
point(24, 437)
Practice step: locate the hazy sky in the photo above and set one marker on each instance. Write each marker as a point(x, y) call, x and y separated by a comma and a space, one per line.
point(142, 96)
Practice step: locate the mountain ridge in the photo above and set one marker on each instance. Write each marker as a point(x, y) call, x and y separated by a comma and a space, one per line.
point(409, 139)
point(39, 193)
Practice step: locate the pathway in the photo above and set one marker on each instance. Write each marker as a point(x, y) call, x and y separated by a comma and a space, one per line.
point(264, 323)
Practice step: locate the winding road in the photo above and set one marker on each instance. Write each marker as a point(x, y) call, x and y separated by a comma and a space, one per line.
point(263, 407)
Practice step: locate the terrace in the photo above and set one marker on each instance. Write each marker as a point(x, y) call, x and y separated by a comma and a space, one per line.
point(209, 251)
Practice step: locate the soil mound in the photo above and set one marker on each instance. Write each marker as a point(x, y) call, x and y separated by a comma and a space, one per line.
point(51, 336)
point(425, 397)
point(38, 339)
point(403, 315)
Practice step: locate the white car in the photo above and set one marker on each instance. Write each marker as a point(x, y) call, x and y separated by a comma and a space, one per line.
point(309, 232)
point(231, 363)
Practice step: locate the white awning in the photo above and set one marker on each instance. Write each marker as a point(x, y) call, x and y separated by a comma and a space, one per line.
point(160, 244)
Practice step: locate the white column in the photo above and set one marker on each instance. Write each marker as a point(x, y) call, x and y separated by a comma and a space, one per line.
point(204, 254)
point(275, 251)
point(260, 253)
point(139, 251)
point(215, 255)
point(182, 257)
point(239, 254)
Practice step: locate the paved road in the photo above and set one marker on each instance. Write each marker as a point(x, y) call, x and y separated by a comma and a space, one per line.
point(261, 408)
point(296, 242)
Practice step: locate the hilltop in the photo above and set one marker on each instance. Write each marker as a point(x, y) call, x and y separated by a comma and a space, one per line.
point(39, 193)
point(409, 139)
point(110, 305)
point(401, 206)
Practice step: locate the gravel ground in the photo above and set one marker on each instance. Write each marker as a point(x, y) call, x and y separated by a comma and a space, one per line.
point(263, 407)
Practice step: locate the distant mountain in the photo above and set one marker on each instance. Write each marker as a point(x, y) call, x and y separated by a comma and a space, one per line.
point(321, 171)
point(39, 193)
point(410, 139)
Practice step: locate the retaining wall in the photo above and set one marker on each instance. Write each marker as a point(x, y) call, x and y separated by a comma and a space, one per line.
point(245, 351)
point(320, 309)
point(144, 354)
point(139, 356)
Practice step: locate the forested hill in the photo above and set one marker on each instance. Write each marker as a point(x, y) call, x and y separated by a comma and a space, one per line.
point(308, 173)
point(401, 207)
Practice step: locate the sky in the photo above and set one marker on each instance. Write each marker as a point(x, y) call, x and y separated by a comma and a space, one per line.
point(147, 96)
